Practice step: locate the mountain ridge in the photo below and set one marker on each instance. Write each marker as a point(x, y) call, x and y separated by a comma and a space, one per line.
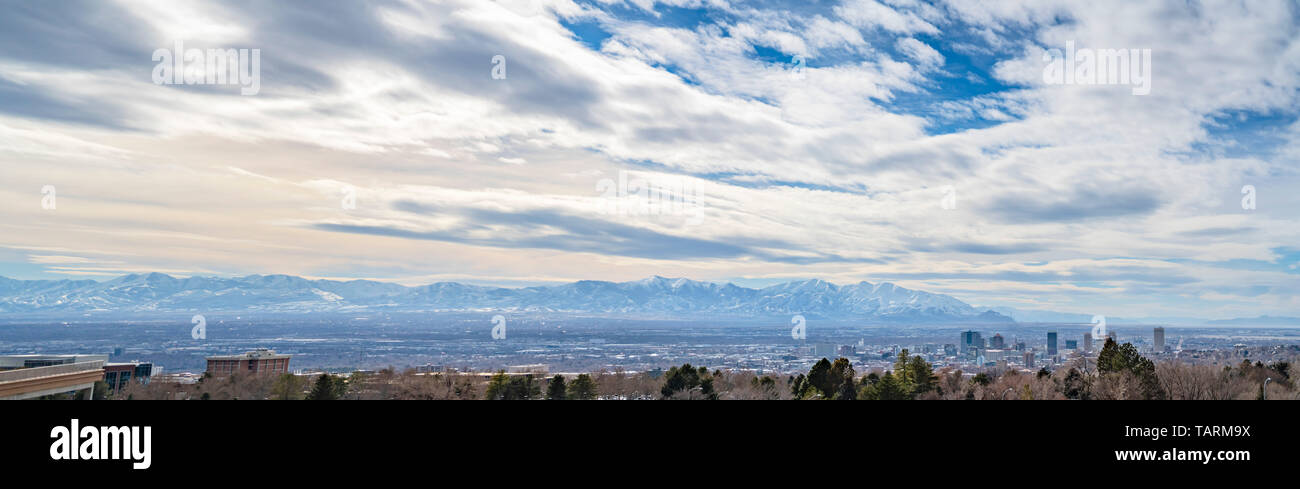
point(655, 296)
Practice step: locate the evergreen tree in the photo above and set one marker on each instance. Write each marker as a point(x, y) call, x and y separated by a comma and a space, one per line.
point(1075, 386)
point(922, 374)
point(870, 379)
point(819, 377)
point(687, 378)
point(1115, 359)
point(502, 387)
point(583, 388)
point(1109, 359)
point(901, 366)
point(888, 388)
point(325, 389)
point(342, 385)
point(844, 387)
point(497, 386)
point(555, 390)
point(799, 387)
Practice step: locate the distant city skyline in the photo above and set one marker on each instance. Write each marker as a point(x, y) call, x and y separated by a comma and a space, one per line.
point(512, 143)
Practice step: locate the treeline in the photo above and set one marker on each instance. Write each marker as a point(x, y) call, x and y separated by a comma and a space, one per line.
point(1119, 372)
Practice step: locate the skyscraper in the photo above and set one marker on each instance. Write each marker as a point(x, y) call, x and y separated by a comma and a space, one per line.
point(1160, 339)
point(1087, 342)
point(997, 342)
point(1051, 343)
point(971, 340)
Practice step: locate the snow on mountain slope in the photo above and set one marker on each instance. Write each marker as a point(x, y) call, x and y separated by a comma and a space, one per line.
point(655, 296)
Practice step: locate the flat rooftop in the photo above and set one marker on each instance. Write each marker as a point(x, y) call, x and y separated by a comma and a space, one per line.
point(259, 354)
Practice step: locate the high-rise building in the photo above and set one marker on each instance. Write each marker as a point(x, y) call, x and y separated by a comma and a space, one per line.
point(1051, 343)
point(1160, 339)
point(260, 360)
point(1029, 359)
point(1071, 344)
point(997, 343)
point(971, 343)
point(1087, 342)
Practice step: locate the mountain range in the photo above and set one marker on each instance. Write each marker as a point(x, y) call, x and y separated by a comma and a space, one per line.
point(654, 297)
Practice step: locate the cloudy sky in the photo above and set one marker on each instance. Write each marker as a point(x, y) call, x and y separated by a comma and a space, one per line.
point(784, 140)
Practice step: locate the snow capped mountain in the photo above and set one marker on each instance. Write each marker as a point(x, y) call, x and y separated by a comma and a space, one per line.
point(654, 296)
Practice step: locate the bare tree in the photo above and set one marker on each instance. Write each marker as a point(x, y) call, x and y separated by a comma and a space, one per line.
point(1198, 382)
point(1116, 386)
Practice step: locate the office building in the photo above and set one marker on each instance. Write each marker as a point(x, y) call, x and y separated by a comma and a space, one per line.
point(257, 361)
point(1051, 343)
point(997, 343)
point(1071, 344)
point(1087, 342)
point(972, 343)
point(1160, 339)
point(119, 375)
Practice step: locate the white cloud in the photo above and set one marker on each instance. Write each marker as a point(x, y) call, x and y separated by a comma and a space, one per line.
point(841, 165)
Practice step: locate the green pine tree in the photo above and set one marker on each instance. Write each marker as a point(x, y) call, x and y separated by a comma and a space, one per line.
point(819, 378)
point(888, 388)
point(555, 390)
point(922, 376)
point(1115, 359)
point(325, 389)
point(583, 388)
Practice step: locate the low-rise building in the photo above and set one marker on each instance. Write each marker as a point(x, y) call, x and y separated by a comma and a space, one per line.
point(535, 369)
point(119, 375)
point(28, 376)
point(261, 360)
